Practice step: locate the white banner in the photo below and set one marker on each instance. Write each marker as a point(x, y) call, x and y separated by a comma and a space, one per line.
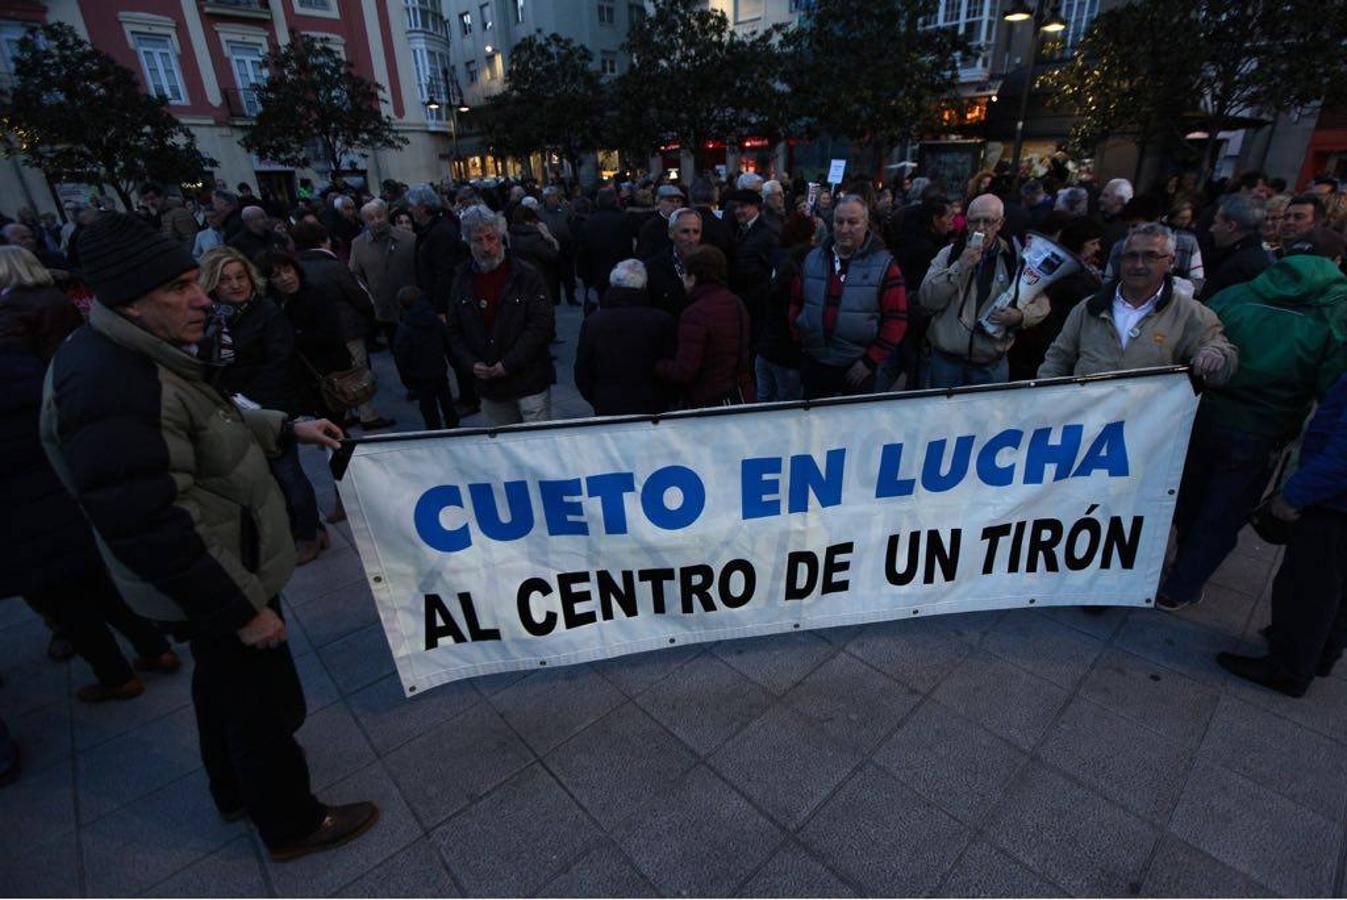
point(550, 545)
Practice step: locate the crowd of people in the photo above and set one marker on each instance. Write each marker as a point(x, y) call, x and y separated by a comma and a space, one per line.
point(161, 366)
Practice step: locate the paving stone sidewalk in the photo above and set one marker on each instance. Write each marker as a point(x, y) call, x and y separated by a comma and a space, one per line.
point(1035, 752)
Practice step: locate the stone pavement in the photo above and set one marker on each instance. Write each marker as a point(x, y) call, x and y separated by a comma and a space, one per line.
point(1034, 752)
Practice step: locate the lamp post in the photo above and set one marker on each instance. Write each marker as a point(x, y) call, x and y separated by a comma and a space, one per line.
point(1049, 22)
point(453, 97)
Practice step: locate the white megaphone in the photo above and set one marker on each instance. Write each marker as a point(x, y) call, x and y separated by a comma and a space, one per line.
point(1042, 262)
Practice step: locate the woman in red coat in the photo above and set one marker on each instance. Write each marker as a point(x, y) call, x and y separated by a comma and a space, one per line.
point(711, 364)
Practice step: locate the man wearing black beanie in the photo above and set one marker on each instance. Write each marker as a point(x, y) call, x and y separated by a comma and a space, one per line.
point(174, 479)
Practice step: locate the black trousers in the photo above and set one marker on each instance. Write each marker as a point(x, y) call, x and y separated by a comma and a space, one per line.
point(820, 380)
point(249, 704)
point(1309, 617)
point(436, 402)
point(83, 606)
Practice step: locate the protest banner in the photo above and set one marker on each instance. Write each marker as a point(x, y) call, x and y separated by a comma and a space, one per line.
point(836, 169)
point(564, 542)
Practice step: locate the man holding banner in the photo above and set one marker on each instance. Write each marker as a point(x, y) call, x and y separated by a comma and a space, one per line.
point(849, 306)
point(1145, 318)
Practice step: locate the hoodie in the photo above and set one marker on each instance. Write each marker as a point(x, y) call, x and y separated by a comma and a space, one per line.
point(1290, 325)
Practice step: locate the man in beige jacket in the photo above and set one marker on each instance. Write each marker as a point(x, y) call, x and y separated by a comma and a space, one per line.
point(962, 283)
point(1143, 319)
point(384, 259)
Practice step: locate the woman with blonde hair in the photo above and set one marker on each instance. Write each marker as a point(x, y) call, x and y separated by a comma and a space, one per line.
point(253, 344)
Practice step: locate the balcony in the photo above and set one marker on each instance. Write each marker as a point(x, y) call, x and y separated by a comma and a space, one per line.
point(422, 18)
point(239, 9)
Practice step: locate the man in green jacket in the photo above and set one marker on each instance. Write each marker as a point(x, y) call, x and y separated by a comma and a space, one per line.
point(173, 477)
point(1290, 325)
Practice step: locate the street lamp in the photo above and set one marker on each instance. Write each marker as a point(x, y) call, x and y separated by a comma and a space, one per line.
point(1049, 22)
point(453, 97)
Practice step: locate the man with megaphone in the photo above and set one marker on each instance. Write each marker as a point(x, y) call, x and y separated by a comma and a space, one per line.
point(975, 313)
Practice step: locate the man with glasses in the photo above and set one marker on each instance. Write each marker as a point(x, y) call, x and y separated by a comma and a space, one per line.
point(964, 279)
point(1143, 319)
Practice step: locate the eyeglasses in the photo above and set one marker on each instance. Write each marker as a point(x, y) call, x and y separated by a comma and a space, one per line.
point(1150, 256)
point(983, 221)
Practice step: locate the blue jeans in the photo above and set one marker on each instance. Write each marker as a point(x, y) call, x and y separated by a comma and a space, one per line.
point(1223, 479)
point(777, 382)
point(300, 501)
point(952, 371)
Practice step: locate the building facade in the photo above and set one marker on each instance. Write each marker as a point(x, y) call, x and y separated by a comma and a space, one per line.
point(435, 59)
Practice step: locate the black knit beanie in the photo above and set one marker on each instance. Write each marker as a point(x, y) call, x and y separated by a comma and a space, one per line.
point(122, 257)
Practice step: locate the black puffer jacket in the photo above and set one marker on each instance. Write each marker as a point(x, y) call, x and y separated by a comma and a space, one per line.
point(519, 338)
point(264, 358)
point(620, 343)
point(45, 540)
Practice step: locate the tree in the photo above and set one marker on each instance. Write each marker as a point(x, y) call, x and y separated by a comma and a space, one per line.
point(551, 101)
point(871, 71)
point(76, 114)
point(312, 94)
point(1170, 67)
point(681, 82)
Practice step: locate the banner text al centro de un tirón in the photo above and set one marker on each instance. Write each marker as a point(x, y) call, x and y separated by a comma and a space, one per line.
point(490, 551)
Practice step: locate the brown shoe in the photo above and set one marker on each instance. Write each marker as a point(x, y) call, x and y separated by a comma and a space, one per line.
point(167, 661)
point(99, 693)
point(341, 824)
point(307, 551)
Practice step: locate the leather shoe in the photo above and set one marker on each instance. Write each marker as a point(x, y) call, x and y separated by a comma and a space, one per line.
point(1264, 670)
point(99, 693)
point(339, 825)
point(167, 661)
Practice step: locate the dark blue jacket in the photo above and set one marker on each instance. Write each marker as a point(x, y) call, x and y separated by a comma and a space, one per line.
point(1322, 477)
point(45, 540)
point(421, 345)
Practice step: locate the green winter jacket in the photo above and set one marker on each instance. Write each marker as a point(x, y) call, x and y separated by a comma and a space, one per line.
point(1290, 325)
point(172, 476)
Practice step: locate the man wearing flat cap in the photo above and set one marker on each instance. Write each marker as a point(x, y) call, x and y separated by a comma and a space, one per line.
point(754, 247)
point(173, 476)
point(654, 234)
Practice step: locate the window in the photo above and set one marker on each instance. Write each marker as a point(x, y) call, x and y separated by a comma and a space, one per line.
point(635, 12)
point(518, 12)
point(465, 23)
point(471, 68)
point(485, 10)
point(1078, 14)
point(976, 20)
point(425, 15)
point(607, 13)
point(160, 63)
point(747, 10)
point(315, 5)
point(10, 35)
point(493, 67)
point(245, 59)
point(432, 69)
point(608, 63)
